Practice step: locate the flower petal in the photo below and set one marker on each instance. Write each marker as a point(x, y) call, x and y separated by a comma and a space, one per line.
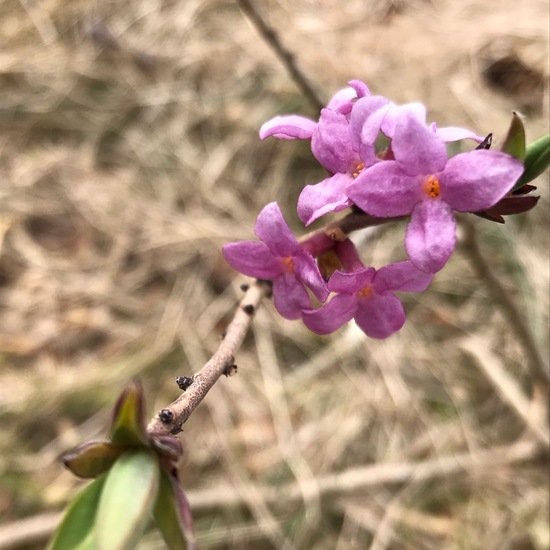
point(361, 89)
point(288, 127)
point(253, 259)
point(289, 296)
point(401, 276)
point(352, 281)
point(307, 271)
point(478, 179)
point(331, 142)
point(431, 235)
point(342, 100)
point(366, 117)
point(417, 148)
point(384, 190)
point(273, 230)
point(380, 316)
point(395, 111)
point(332, 315)
point(323, 197)
point(453, 133)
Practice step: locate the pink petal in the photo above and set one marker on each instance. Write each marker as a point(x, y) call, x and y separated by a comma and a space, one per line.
point(341, 99)
point(431, 235)
point(273, 230)
point(395, 111)
point(253, 259)
point(331, 142)
point(324, 197)
point(366, 117)
point(361, 89)
point(453, 133)
point(331, 316)
point(289, 296)
point(307, 271)
point(417, 148)
point(380, 316)
point(288, 127)
point(478, 179)
point(385, 191)
point(401, 276)
point(351, 282)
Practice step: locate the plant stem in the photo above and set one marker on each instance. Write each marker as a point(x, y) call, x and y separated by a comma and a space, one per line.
point(287, 58)
point(222, 362)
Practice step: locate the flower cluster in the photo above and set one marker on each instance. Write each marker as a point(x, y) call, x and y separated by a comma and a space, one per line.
point(411, 176)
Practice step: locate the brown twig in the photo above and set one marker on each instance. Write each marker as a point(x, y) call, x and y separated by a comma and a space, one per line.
point(535, 363)
point(340, 229)
point(509, 389)
point(286, 57)
point(222, 362)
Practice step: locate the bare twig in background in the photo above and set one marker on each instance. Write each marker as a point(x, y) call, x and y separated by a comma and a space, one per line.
point(508, 388)
point(222, 362)
point(534, 361)
point(337, 484)
point(286, 57)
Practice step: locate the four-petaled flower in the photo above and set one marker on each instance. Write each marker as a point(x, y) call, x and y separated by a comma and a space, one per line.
point(424, 183)
point(367, 295)
point(279, 258)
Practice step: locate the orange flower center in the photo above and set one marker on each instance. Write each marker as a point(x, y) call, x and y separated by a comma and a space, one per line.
point(365, 292)
point(431, 187)
point(288, 264)
point(358, 169)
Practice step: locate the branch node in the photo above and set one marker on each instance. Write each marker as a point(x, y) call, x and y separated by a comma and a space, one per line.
point(336, 233)
point(183, 382)
point(166, 416)
point(230, 370)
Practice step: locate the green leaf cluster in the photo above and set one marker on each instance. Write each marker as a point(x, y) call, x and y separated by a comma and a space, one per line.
point(135, 484)
point(535, 156)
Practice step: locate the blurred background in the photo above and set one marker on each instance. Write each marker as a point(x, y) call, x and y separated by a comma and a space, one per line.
point(129, 155)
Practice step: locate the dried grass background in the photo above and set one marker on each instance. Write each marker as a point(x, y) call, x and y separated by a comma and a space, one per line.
point(129, 155)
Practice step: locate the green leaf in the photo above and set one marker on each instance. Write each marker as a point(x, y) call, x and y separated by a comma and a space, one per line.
point(536, 161)
point(173, 515)
point(514, 143)
point(128, 425)
point(92, 459)
point(127, 500)
point(76, 530)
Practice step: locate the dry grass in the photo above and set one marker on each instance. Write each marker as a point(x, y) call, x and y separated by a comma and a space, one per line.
point(129, 155)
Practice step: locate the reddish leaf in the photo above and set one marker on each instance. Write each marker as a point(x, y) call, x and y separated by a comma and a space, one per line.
point(92, 459)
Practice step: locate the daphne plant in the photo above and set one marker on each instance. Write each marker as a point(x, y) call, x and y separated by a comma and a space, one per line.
point(411, 176)
point(319, 278)
point(135, 484)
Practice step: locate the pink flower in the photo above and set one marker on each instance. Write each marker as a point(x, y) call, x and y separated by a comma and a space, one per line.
point(300, 127)
point(333, 146)
point(367, 295)
point(279, 258)
point(424, 183)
